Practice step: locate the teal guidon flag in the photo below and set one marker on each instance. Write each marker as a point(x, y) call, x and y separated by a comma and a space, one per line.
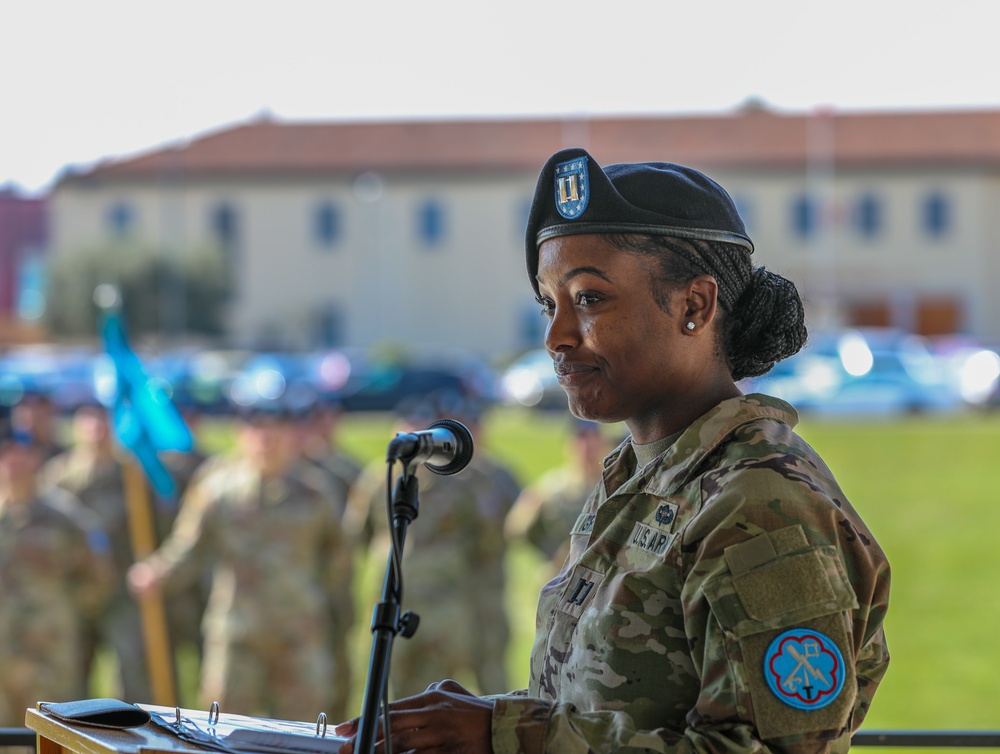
point(146, 420)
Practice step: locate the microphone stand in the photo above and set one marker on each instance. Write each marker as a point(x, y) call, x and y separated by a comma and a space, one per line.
point(387, 621)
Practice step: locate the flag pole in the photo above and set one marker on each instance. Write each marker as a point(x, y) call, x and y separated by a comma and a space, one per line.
point(145, 421)
point(155, 635)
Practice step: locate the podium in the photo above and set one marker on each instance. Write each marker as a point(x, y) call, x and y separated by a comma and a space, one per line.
point(55, 736)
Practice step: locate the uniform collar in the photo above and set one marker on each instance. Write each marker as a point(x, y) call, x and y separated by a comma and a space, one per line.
point(697, 442)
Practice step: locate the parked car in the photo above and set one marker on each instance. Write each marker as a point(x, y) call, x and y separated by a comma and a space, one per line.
point(805, 380)
point(862, 372)
point(65, 374)
point(530, 380)
point(198, 377)
point(972, 368)
point(891, 385)
point(383, 384)
point(360, 381)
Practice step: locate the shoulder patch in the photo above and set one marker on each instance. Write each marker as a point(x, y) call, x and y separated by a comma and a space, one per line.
point(804, 668)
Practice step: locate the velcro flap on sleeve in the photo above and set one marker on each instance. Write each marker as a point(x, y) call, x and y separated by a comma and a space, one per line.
point(786, 584)
point(773, 582)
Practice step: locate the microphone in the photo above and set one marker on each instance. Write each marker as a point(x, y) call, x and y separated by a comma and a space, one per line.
point(445, 447)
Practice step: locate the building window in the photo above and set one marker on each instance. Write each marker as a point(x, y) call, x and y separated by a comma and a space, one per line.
point(327, 225)
point(868, 216)
point(329, 329)
point(121, 219)
point(936, 215)
point(805, 216)
point(431, 223)
point(224, 229)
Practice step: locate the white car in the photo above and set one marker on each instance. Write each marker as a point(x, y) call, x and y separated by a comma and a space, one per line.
point(531, 380)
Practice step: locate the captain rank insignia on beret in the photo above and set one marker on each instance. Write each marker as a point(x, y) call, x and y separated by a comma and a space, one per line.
point(572, 187)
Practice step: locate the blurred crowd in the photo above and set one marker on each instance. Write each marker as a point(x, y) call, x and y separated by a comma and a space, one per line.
point(253, 561)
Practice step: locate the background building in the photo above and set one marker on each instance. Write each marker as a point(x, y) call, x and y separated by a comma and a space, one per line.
point(22, 248)
point(351, 234)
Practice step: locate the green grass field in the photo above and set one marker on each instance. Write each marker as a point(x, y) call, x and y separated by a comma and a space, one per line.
point(926, 487)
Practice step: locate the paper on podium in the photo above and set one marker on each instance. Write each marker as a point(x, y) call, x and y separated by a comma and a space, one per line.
point(280, 742)
point(241, 734)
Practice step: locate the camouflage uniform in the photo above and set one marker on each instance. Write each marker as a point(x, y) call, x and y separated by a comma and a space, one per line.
point(98, 485)
point(343, 471)
point(452, 568)
point(680, 585)
point(496, 491)
point(281, 574)
point(54, 570)
point(184, 610)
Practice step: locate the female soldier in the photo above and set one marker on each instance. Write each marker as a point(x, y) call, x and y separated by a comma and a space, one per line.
point(720, 593)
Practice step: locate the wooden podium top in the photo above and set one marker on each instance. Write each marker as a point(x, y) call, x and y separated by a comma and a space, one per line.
point(60, 737)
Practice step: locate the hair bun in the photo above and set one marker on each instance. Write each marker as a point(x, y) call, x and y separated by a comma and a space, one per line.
point(769, 324)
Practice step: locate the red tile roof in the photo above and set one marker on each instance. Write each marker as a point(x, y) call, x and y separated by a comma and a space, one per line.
point(747, 138)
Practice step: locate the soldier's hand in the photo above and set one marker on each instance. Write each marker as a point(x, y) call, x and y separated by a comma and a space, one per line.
point(143, 580)
point(446, 717)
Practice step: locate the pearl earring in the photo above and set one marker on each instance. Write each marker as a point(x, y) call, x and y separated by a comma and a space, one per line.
point(690, 325)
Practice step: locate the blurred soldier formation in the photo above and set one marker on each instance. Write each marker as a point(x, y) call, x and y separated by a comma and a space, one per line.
point(267, 526)
point(549, 508)
point(55, 574)
point(256, 559)
point(453, 559)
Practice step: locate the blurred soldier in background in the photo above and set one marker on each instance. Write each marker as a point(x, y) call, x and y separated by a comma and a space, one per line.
point(546, 511)
point(35, 415)
point(316, 426)
point(55, 574)
point(184, 465)
point(267, 526)
point(452, 561)
point(186, 608)
point(92, 472)
point(317, 430)
point(496, 489)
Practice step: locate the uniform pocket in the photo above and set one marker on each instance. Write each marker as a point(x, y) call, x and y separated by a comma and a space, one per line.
point(556, 651)
point(786, 590)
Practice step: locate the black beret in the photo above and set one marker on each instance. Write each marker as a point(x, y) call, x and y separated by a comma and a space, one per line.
point(575, 195)
point(10, 435)
point(261, 410)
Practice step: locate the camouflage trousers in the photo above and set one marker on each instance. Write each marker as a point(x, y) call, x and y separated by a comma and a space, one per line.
point(463, 639)
point(268, 678)
point(26, 679)
point(120, 629)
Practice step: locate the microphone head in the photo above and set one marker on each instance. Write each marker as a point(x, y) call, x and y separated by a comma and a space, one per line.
point(463, 451)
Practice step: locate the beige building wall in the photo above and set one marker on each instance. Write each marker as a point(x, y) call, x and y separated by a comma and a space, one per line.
point(380, 283)
point(901, 266)
point(988, 271)
point(383, 283)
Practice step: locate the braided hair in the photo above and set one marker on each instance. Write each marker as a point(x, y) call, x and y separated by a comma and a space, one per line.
point(762, 318)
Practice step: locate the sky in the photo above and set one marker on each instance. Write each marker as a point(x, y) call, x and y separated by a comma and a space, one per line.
point(85, 81)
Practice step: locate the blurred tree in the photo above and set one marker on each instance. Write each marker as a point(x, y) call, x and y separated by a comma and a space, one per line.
point(159, 290)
